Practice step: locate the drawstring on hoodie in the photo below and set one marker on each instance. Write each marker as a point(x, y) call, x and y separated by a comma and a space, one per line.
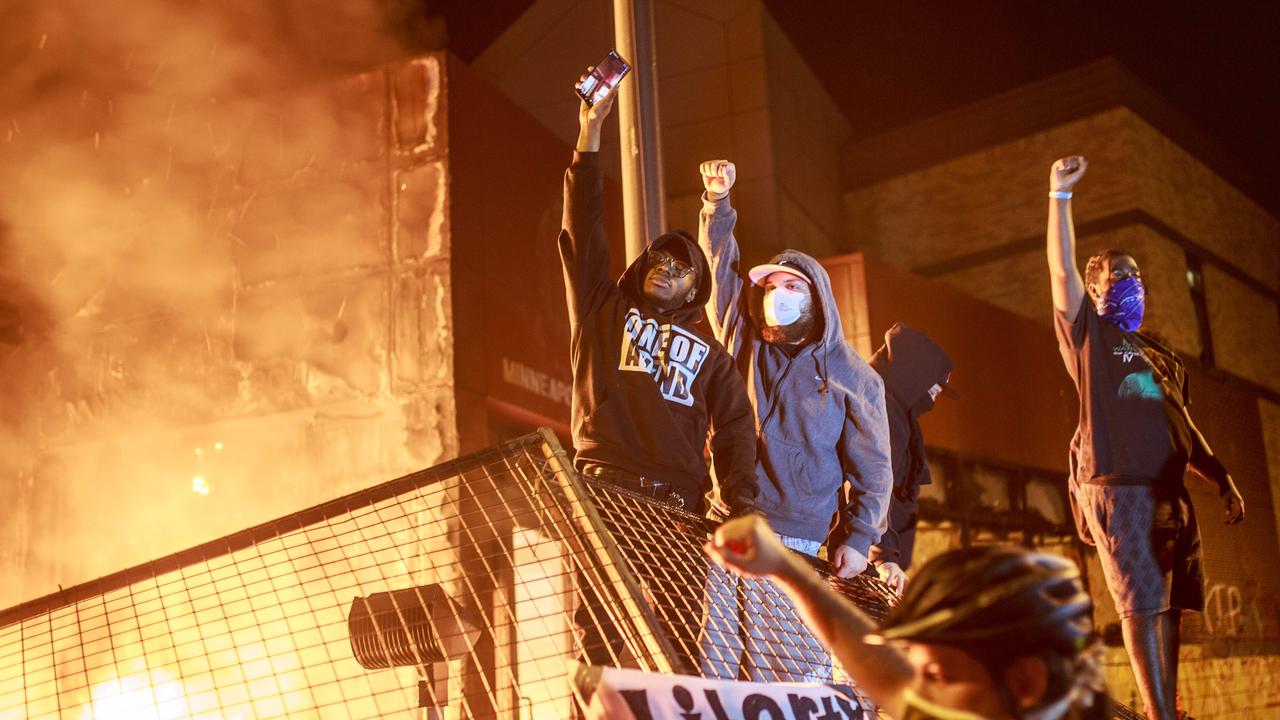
point(823, 385)
point(822, 369)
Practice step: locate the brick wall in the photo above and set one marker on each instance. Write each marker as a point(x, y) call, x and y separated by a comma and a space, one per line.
point(1243, 323)
point(731, 86)
point(1269, 412)
point(987, 199)
point(1243, 687)
point(976, 222)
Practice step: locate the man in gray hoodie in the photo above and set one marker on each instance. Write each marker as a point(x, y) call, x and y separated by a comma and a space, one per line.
point(821, 424)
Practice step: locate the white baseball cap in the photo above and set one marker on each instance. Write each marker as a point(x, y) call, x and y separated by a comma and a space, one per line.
point(760, 272)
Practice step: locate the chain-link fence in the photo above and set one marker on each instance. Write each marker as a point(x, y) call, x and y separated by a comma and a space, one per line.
point(462, 589)
point(457, 592)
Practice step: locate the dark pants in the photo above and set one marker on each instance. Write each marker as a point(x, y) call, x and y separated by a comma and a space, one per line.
point(672, 592)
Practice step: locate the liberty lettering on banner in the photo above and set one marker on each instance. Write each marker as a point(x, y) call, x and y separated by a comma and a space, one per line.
point(635, 695)
point(671, 355)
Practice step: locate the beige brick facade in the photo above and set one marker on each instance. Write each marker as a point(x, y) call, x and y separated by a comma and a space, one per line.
point(989, 198)
point(1243, 323)
point(977, 221)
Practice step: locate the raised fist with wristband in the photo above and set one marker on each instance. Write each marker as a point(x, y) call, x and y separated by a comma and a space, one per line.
point(1064, 174)
point(1133, 446)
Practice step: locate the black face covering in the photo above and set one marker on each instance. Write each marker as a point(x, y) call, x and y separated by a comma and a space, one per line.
point(922, 406)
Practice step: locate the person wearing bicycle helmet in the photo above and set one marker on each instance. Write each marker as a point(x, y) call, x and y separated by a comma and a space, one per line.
point(994, 633)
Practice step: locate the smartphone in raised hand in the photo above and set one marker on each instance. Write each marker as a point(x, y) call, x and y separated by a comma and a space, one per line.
point(604, 77)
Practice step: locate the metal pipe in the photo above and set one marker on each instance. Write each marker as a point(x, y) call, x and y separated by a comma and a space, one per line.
point(644, 198)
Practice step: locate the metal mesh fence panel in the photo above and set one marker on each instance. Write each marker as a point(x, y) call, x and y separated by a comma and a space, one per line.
point(719, 625)
point(256, 625)
point(459, 591)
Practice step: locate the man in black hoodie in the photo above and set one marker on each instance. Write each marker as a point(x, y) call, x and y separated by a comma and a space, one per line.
point(648, 386)
point(915, 371)
point(647, 383)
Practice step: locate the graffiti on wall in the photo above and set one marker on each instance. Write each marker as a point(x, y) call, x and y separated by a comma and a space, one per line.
point(1234, 612)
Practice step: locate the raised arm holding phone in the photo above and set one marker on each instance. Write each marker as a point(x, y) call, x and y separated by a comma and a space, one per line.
point(650, 390)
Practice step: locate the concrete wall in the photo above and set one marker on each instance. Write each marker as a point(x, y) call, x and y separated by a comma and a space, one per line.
point(511, 326)
point(261, 325)
point(731, 86)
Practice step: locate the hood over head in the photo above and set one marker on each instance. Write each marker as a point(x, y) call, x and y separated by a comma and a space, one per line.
point(910, 364)
point(682, 246)
point(819, 285)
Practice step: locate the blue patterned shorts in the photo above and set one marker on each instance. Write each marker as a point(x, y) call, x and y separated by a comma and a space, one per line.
point(1148, 544)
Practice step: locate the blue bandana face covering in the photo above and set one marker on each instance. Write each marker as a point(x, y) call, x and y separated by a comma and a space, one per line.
point(1123, 304)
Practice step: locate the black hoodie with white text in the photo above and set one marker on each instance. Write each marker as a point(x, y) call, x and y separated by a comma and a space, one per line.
point(648, 386)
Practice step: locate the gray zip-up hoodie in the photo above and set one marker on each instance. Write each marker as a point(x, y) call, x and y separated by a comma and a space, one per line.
point(821, 425)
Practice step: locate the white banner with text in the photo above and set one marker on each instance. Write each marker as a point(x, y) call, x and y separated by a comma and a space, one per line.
point(615, 694)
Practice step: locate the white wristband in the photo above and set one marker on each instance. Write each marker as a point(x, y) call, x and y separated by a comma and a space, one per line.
point(1059, 195)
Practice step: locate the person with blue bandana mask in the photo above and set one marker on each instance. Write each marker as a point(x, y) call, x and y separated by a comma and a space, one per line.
point(1133, 446)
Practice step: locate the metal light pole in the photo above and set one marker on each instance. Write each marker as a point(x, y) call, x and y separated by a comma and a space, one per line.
point(644, 198)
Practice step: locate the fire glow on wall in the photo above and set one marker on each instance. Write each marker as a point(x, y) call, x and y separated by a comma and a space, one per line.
point(459, 589)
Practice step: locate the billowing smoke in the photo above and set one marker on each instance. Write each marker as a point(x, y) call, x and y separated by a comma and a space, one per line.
point(185, 203)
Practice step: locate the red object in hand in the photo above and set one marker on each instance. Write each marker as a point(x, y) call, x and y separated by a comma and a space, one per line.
point(737, 546)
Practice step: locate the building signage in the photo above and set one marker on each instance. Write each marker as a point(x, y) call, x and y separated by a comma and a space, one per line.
point(537, 382)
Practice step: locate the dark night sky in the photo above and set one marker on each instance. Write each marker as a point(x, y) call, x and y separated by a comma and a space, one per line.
point(888, 64)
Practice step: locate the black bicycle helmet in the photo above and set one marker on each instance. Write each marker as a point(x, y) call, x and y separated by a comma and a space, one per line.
point(998, 603)
point(994, 600)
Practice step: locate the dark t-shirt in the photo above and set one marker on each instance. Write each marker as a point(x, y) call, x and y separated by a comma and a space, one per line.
point(1132, 392)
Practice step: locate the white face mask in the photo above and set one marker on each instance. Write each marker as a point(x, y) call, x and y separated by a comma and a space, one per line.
point(782, 306)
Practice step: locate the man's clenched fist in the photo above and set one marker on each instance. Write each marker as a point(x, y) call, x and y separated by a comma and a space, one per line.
point(718, 177)
point(1066, 172)
point(749, 546)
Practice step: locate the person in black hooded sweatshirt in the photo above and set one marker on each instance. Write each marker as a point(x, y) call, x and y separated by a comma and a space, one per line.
point(647, 384)
point(915, 371)
point(649, 387)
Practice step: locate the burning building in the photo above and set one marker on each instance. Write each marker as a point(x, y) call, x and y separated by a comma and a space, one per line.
point(237, 284)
